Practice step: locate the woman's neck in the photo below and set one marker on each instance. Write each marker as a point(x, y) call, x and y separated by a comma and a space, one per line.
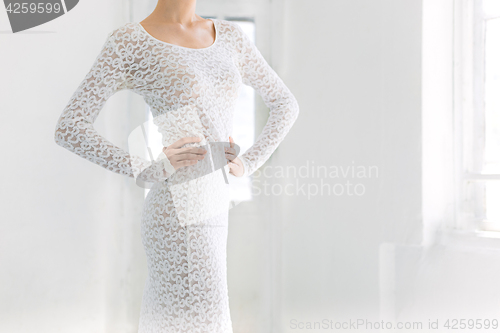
point(175, 11)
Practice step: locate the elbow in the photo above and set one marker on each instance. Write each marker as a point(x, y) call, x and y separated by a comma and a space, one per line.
point(294, 108)
point(70, 131)
point(62, 135)
point(59, 137)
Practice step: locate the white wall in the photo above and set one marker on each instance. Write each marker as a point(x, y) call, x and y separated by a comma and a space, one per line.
point(440, 282)
point(69, 229)
point(355, 68)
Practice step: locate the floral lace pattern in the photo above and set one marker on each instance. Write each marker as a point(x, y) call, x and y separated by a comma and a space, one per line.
point(191, 92)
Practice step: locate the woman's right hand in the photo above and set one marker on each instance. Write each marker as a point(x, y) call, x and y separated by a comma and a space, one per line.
point(180, 157)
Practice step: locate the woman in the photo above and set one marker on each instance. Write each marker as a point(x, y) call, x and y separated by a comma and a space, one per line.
point(189, 70)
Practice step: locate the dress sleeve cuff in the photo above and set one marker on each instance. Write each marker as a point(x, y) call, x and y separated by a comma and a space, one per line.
point(166, 163)
point(245, 166)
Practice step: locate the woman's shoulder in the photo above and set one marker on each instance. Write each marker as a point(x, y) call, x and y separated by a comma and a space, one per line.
point(230, 26)
point(232, 32)
point(123, 30)
point(126, 37)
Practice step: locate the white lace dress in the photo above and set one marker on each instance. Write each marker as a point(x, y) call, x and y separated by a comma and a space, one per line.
point(191, 92)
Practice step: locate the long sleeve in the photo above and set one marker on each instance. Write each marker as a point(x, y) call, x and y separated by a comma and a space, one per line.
point(109, 73)
point(283, 107)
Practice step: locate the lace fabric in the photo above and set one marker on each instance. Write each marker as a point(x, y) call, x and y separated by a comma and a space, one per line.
point(191, 92)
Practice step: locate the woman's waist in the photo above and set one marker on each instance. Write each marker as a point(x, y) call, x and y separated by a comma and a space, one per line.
point(199, 199)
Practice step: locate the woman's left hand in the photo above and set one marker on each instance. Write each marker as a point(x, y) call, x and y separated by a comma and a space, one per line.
point(236, 167)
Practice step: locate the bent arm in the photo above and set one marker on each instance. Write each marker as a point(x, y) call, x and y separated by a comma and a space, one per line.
point(75, 127)
point(283, 107)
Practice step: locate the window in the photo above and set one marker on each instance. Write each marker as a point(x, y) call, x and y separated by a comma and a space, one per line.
point(477, 107)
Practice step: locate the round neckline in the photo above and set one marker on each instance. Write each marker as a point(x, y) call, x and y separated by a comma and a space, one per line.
point(183, 47)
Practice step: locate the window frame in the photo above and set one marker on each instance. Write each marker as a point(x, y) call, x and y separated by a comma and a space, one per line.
point(469, 119)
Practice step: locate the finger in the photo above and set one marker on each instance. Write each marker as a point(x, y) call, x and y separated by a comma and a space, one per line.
point(231, 142)
point(186, 163)
point(181, 142)
point(185, 157)
point(230, 157)
point(192, 150)
point(230, 150)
